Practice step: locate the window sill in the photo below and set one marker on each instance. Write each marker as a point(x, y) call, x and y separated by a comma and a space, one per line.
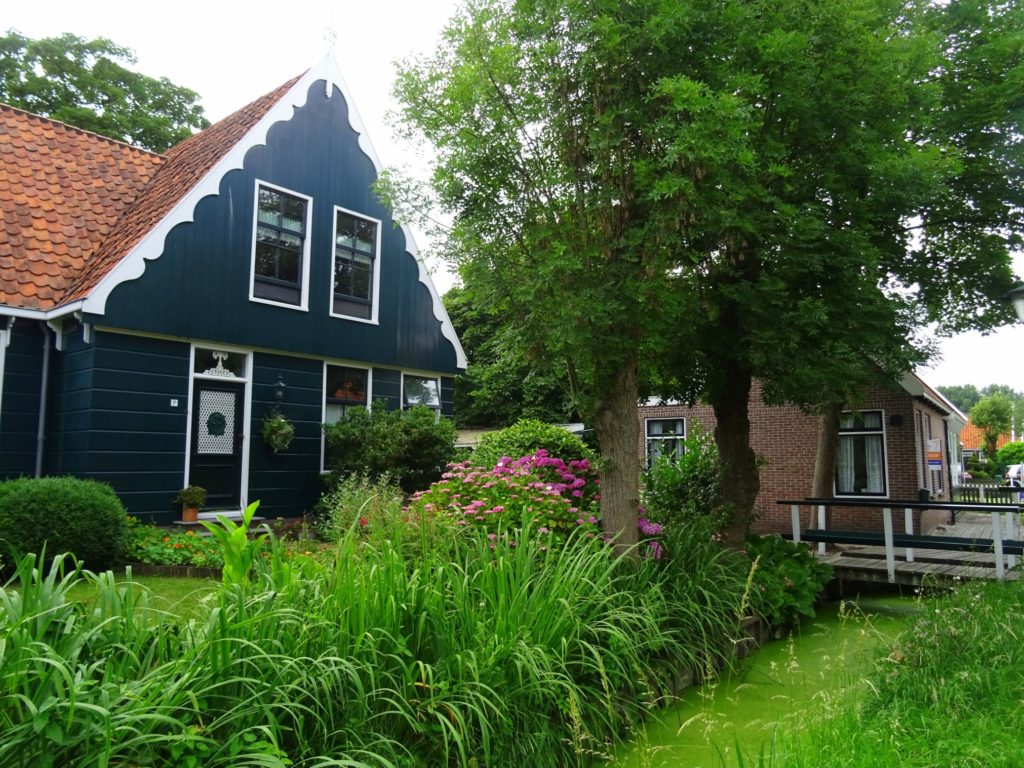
point(365, 321)
point(299, 307)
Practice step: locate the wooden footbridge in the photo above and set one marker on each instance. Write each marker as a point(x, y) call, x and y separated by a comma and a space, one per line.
point(984, 542)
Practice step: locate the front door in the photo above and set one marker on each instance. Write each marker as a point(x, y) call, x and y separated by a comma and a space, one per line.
point(217, 439)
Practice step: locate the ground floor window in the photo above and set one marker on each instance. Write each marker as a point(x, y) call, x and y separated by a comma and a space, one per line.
point(860, 465)
point(421, 390)
point(344, 388)
point(665, 439)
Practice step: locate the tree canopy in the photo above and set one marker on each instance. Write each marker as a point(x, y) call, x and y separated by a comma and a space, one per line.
point(85, 83)
point(993, 415)
point(503, 383)
point(687, 197)
point(966, 396)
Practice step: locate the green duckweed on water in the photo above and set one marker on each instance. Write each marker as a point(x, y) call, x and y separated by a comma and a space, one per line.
point(782, 684)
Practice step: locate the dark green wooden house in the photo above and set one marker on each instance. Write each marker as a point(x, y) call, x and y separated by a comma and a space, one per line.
point(154, 309)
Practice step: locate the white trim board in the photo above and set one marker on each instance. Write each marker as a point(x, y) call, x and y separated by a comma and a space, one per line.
point(151, 247)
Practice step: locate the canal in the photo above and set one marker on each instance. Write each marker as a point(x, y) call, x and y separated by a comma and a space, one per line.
point(779, 686)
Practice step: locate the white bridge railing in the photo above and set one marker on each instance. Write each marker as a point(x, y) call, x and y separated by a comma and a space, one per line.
point(1004, 543)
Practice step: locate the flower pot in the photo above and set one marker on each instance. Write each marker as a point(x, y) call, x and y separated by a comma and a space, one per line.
point(190, 514)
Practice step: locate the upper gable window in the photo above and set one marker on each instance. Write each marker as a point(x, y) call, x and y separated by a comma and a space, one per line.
point(281, 247)
point(356, 243)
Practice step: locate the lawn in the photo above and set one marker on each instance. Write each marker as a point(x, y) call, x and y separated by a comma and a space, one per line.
point(172, 594)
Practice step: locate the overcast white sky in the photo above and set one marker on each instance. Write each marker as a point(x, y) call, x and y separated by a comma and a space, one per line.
point(232, 52)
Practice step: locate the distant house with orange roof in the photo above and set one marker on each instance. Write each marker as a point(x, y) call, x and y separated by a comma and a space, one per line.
point(154, 309)
point(972, 438)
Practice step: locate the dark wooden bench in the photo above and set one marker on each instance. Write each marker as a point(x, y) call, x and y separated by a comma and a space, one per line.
point(953, 543)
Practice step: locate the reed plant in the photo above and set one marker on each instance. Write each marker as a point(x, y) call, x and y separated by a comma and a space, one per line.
point(498, 652)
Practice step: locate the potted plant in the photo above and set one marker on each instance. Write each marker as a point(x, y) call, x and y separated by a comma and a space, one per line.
point(191, 498)
point(277, 431)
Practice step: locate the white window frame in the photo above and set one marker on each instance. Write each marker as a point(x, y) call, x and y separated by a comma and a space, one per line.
point(885, 455)
point(323, 400)
point(246, 409)
point(303, 305)
point(648, 438)
point(375, 288)
point(419, 375)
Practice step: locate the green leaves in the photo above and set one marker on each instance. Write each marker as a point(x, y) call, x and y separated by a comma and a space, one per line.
point(238, 546)
point(85, 83)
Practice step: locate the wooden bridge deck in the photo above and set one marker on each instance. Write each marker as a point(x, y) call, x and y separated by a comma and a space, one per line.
point(867, 563)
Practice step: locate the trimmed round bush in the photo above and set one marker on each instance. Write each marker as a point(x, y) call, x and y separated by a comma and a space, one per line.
point(526, 437)
point(64, 514)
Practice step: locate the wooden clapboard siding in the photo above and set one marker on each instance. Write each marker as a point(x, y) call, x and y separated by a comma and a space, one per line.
point(286, 484)
point(199, 286)
point(136, 438)
point(19, 417)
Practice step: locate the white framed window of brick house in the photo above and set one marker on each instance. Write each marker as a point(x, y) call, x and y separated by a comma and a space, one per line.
point(860, 458)
point(665, 438)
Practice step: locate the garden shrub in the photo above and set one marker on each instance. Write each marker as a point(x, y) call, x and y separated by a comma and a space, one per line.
point(548, 494)
point(1011, 453)
point(787, 581)
point(412, 447)
point(678, 491)
point(526, 437)
point(62, 514)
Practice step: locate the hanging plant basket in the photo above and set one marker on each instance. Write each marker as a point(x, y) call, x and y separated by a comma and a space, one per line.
point(277, 431)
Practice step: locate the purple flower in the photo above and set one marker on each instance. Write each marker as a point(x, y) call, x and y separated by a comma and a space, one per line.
point(648, 528)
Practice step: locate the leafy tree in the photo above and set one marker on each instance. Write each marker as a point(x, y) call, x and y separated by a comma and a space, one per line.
point(963, 396)
point(542, 124)
point(1017, 404)
point(503, 383)
point(1011, 453)
point(993, 416)
point(85, 83)
point(722, 191)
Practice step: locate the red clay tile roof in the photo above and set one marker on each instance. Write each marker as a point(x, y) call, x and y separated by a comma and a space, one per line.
point(62, 190)
point(973, 437)
point(74, 203)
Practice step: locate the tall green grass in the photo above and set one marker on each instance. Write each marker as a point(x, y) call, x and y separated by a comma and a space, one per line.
point(947, 694)
point(503, 656)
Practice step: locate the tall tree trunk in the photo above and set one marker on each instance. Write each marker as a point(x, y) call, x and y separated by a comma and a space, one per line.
point(739, 481)
point(615, 422)
point(828, 446)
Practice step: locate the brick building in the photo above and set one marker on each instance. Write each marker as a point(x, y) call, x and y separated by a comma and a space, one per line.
point(895, 442)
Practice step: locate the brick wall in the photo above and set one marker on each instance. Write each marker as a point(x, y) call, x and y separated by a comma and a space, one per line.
point(786, 441)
